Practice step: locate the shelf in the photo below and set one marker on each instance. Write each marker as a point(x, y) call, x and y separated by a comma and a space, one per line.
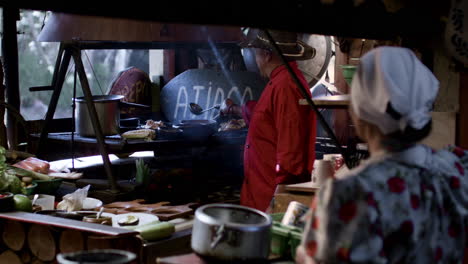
point(332, 102)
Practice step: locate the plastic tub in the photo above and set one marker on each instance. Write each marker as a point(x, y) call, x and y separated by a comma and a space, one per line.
point(31, 189)
point(279, 240)
point(48, 186)
point(294, 241)
point(282, 240)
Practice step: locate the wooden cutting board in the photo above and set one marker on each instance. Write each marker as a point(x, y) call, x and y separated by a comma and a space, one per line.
point(162, 210)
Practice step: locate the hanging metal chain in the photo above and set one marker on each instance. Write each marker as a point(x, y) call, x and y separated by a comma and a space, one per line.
point(73, 121)
point(92, 68)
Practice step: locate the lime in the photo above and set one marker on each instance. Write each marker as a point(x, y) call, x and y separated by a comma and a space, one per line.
point(22, 203)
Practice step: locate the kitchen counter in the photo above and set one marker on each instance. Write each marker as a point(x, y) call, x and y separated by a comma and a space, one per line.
point(87, 146)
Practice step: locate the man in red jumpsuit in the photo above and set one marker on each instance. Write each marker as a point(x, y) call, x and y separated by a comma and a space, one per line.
point(280, 145)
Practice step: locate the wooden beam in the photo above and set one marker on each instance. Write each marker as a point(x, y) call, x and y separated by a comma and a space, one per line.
point(341, 18)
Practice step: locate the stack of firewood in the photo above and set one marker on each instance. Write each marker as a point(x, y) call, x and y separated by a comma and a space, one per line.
point(35, 243)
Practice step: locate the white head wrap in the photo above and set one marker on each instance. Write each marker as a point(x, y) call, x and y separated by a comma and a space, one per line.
point(393, 76)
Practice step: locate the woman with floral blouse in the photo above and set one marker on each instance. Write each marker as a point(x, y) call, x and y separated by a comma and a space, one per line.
point(407, 203)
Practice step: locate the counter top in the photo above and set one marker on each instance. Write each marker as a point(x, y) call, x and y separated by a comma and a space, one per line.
point(67, 223)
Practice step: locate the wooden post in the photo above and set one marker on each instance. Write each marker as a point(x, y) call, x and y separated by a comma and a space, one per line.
point(3, 132)
point(94, 119)
point(57, 84)
point(10, 53)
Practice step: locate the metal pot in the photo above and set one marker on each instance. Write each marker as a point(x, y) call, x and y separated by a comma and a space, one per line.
point(103, 256)
point(231, 232)
point(108, 112)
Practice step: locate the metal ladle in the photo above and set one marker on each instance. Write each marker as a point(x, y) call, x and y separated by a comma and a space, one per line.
point(198, 110)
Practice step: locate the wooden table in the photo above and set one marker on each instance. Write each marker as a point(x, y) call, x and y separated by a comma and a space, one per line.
point(302, 193)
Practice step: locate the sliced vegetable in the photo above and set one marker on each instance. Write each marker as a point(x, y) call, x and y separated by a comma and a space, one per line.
point(156, 231)
point(128, 220)
point(137, 226)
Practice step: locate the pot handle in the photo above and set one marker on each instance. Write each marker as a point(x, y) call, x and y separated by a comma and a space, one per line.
point(127, 104)
point(219, 236)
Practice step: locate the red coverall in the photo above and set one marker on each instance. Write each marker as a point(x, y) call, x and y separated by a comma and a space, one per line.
point(280, 145)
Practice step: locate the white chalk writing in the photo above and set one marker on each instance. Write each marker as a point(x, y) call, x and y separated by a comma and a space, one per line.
point(248, 91)
point(219, 97)
point(184, 105)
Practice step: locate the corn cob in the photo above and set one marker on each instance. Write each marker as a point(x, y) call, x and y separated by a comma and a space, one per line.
point(147, 134)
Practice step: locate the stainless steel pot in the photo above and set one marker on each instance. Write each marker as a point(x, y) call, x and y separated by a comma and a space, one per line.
point(108, 112)
point(231, 232)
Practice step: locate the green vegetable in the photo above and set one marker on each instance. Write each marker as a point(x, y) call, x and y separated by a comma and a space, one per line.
point(14, 184)
point(8, 181)
point(20, 172)
point(156, 231)
point(142, 172)
point(22, 203)
point(147, 224)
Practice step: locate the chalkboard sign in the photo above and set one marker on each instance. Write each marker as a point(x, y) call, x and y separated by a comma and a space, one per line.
point(207, 88)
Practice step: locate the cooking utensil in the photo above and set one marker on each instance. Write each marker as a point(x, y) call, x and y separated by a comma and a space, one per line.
point(198, 110)
point(91, 203)
point(197, 130)
point(108, 112)
point(35, 199)
point(104, 220)
point(100, 212)
point(231, 232)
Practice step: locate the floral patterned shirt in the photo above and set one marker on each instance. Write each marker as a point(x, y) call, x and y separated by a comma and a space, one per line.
point(406, 207)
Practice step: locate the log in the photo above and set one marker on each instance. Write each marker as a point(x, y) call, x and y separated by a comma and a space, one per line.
point(42, 242)
point(25, 256)
point(99, 242)
point(37, 261)
point(14, 235)
point(71, 241)
point(10, 257)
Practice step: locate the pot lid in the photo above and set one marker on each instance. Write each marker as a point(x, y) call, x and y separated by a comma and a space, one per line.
point(314, 68)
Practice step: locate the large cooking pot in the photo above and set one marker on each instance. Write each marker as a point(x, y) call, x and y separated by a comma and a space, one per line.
point(230, 232)
point(108, 112)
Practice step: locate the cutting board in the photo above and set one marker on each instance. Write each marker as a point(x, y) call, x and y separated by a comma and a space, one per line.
point(162, 210)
